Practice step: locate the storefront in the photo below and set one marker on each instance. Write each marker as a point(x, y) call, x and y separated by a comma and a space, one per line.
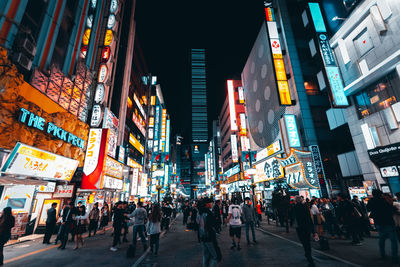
point(387, 160)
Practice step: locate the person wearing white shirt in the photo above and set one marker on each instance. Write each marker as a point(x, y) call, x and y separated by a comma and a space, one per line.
point(235, 223)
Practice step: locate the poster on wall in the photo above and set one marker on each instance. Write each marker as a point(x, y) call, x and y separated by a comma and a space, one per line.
point(47, 205)
point(63, 191)
point(21, 220)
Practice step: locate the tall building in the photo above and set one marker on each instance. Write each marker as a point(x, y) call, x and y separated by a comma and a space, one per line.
point(199, 96)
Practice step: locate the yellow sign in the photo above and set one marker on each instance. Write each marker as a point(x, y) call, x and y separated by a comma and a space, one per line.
point(280, 70)
point(109, 37)
point(136, 144)
point(86, 37)
point(133, 164)
point(153, 100)
point(284, 93)
point(151, 122)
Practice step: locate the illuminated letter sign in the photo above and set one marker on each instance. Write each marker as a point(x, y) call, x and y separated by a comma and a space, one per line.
point(292, 130)
point(241, 95)
point(332, 71)
point(106, 54)
point(102, 73)
point(243, 128)
point(235, 157)
point(232, 111)
point(86, 37)
point(109, 37)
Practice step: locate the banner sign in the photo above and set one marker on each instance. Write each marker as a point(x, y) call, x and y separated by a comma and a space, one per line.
point(133, 164)
point(113, 168)
point(135, 177)
point(31, 161)
point(270, 150)
point(136, 144)
point(268, 170)
point(95, 159)
point(63, 191)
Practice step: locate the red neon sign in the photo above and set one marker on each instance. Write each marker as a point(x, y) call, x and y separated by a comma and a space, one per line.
point(105, 56)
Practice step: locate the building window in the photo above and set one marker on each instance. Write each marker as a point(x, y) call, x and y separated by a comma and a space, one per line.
point(363, 43)
point(378, 96)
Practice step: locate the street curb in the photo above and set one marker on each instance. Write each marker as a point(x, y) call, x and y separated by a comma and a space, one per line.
point(314, 250)
point(144, 255)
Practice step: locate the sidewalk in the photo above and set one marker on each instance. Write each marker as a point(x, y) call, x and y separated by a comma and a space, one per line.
point(364, 255)
point(23, 239)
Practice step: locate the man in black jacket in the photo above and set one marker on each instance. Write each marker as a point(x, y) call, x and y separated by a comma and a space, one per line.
point(382, 212)
point(67, 222)
point(217, 214)
point(50, 223)
point(304, 227)
point(207, 233)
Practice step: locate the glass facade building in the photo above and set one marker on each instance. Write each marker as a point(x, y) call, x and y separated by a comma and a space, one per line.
point(199, 96)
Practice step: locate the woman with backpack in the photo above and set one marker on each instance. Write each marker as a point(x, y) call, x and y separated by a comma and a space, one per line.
point(154, 228)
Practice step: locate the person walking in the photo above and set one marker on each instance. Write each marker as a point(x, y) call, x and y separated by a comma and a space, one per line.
point(94, 217)
point(50, 223)
point(186, 212)
point(166, 216)
point(249, 218)
point(217, 213)
point(7, 221)
point(207, 233)
point(154, 228)
point(104, 217)
point(304, 227)
point(140, 216)
point(382, 212)
point(259, 213)
point(235, 224)
point(66, 224)
point(118, 220)
point(81, 219)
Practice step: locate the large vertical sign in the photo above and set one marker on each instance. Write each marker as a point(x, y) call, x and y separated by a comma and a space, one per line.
point(232, 104)
point(234, 148)
point(156, 129)
point(167, 136)
point(319, 169)
point(279, 65)
point(292, 130)
point(331, 68)
point(96, 152)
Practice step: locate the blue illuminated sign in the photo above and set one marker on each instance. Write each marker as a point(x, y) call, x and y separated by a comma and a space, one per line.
point(232, 171)
point(335, 81)
point(292, 130)
point(35, 121)
point(317, 18)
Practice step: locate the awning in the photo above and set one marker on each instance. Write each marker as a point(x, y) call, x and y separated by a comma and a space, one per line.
point(13, 180)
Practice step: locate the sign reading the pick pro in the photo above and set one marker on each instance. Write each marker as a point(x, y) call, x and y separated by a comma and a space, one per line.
point(39, 123)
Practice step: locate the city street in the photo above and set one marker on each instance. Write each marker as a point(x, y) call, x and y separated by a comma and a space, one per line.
point(179, 247)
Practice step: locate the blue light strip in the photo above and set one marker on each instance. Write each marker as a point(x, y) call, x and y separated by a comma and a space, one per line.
point(317, 17)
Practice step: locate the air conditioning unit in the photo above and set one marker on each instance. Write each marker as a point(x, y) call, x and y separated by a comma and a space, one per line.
point(22, 60)
point(27, 46)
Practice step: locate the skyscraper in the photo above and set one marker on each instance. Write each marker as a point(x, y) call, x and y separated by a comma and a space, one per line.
point(199, 96)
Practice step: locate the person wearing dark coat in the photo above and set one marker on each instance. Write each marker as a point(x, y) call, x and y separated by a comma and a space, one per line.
point(50, 223)
point(67, 224)
point(304, 227)
point(217, 212)
point(7, 221)
point(382, 212)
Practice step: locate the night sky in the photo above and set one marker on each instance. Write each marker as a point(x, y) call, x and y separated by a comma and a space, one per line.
point(168, 29)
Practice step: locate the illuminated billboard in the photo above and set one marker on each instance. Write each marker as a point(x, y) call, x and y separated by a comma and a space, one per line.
point(331, 69)
point(279, 65)
point(292, 130)
point(234, 148)
point(232, 104)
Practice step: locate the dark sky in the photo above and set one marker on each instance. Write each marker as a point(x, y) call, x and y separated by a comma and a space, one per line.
point(168, 29)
